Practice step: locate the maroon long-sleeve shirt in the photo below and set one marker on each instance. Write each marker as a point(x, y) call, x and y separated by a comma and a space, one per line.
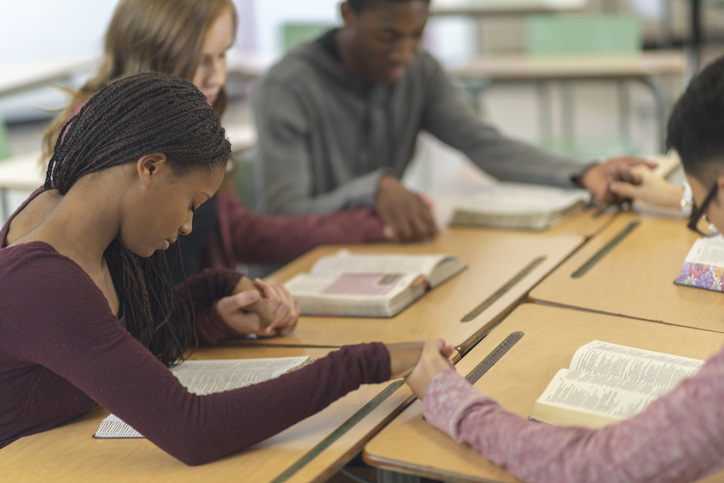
point(62, 352)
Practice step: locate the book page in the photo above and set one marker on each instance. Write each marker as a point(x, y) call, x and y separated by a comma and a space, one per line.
point(597, 394)
point(208, 377)
point(707, 251)
point(636, 366)
point(345, 262)
point(350, 286)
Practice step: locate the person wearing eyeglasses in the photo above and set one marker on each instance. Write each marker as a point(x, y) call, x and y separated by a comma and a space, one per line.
point(677, 438)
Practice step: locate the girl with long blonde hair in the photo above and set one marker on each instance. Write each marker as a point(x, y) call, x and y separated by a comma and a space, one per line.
point(190, 38)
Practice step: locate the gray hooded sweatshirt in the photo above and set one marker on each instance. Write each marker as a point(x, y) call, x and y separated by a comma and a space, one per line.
point(325, 136)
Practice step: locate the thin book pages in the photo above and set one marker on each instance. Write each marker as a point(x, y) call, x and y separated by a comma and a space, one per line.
point(520, 206)
point(209, 377)
point(607, 383)
point(369, 285)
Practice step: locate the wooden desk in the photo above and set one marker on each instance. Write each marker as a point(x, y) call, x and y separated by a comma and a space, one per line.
point(69, 453)
point(22, 76)
point(410, 445)
point(536, 68)
point(635, 278)
point(250, 65)
point(505, 7)
point(24, 173)
point(493, 257)
point(642, 68)
point(20, 173)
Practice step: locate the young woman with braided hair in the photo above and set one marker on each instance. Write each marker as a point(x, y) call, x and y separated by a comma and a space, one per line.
point(189, 38)
point(88, 314)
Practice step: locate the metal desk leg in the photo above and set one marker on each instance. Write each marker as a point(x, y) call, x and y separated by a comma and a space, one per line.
point(624, 112)
point(662, 108)
point(545, 115)
point(567, 114)
point(386, 476)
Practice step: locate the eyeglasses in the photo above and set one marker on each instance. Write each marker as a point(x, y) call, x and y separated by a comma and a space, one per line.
point(698, 222)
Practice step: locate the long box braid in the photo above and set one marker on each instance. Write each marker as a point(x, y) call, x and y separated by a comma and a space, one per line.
point(126, 120)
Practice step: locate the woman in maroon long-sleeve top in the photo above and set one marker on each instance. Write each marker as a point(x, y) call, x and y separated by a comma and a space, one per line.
point(88, 314)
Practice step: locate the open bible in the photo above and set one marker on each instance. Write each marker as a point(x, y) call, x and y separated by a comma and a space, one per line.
point(704, 265)
point(519, 206)
point(369, 285)
point(208, 377)
point(607, 383)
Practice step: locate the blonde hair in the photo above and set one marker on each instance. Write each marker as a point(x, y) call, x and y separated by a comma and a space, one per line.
point(164, 36)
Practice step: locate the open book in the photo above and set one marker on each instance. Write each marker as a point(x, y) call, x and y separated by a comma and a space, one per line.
point(369, 285)
point(607, 383)
point(208, 377)
point(519, 206)
point(704, 265)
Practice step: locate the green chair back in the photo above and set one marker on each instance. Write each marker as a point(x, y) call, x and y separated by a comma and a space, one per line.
point(583, 34)
point(295, 33)
point(4, 141)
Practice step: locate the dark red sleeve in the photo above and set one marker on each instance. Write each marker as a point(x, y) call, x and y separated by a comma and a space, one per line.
point(279, 239)
point(204, 289)
point(62, 322)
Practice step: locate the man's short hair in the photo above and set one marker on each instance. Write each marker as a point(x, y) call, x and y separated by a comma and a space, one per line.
point(359, 5)
point(696, 125)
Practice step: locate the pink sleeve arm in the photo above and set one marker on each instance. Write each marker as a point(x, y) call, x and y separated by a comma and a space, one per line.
point(678, 438)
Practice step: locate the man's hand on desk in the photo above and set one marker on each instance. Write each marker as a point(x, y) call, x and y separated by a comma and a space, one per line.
point(407, 214)
point(599, 177)
point(241, 309)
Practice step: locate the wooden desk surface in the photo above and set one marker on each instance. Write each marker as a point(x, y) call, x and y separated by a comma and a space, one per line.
point(70, 454)
point(552, 335)
point(635, 278)
point(522, 67)
point(22, 172)
point(250, 65)
point(494, 257)
point(21, 76)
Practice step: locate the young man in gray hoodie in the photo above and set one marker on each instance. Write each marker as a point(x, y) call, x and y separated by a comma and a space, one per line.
point(338, 118)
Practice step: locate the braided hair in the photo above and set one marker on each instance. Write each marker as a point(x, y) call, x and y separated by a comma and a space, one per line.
point(126, 120)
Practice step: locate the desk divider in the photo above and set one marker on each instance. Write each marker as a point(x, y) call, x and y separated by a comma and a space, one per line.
point(494, 356)
point(605, 250)
point(503, 290)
